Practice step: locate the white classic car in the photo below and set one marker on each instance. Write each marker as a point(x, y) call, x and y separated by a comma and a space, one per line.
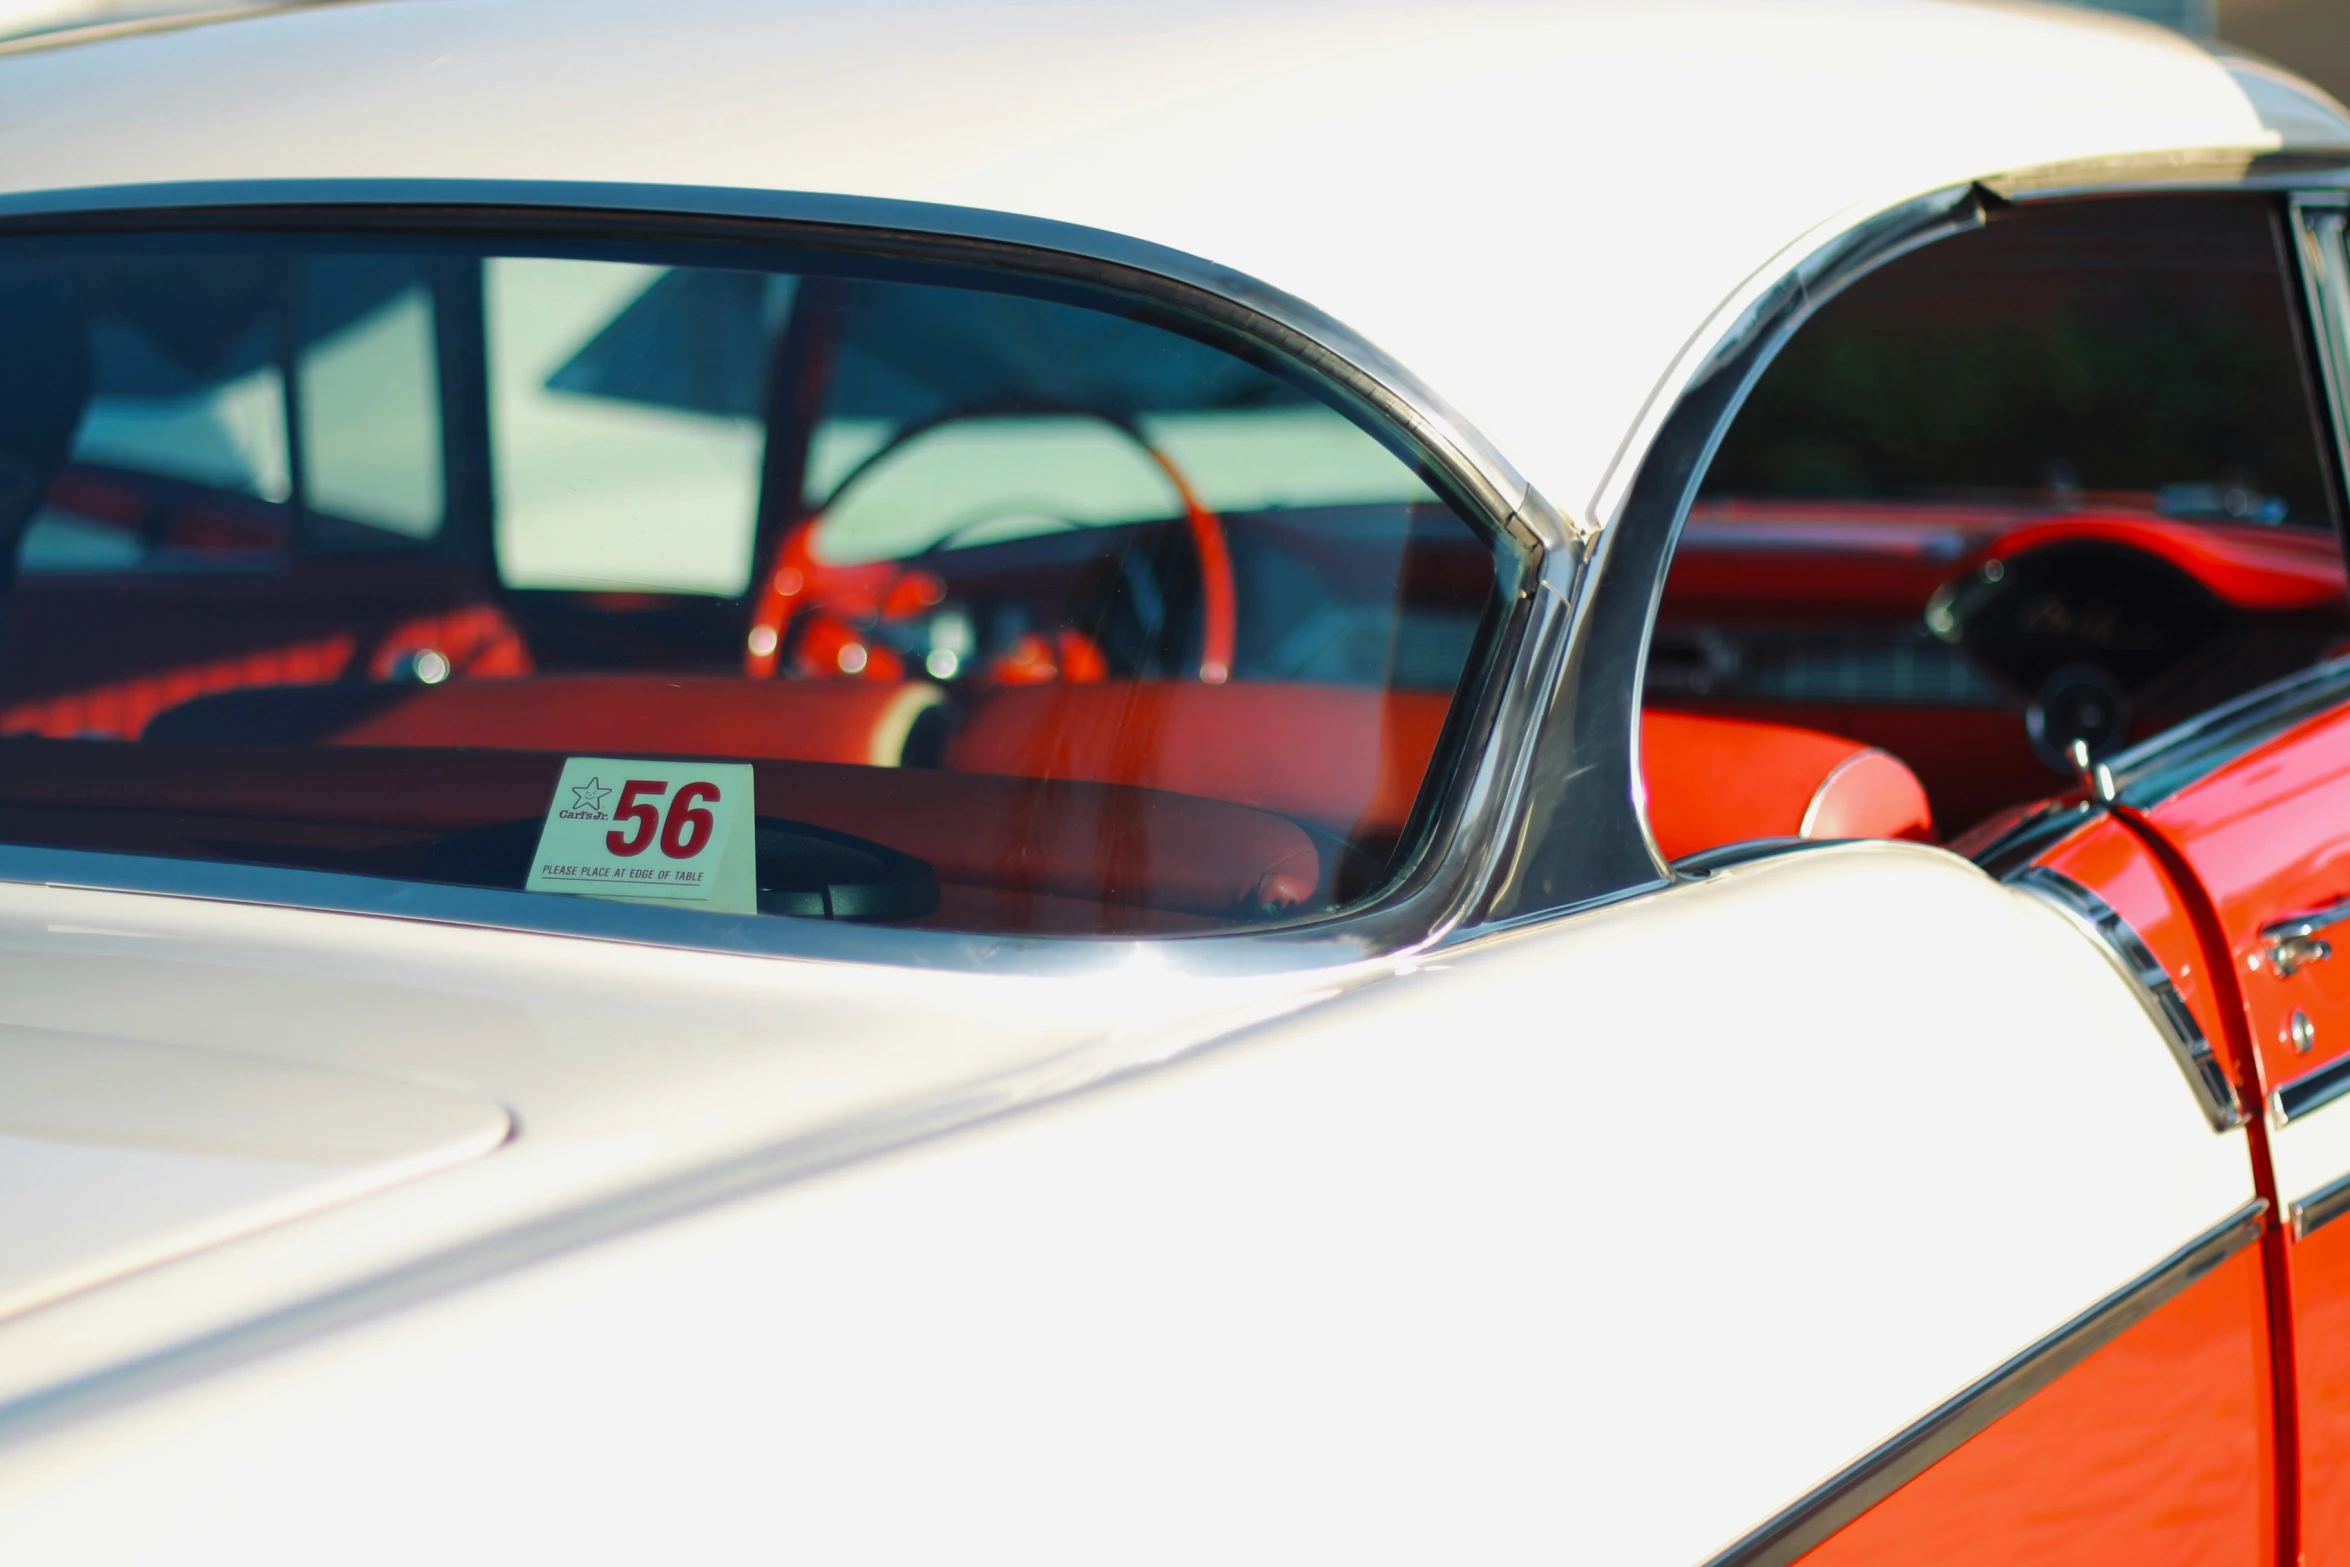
point(1303, 781)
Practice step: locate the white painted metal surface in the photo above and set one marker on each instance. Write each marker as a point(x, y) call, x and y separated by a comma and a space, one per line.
point(1599, 1243)
point(1533, 203)
point(626, 1069)
point(117, 1153)
point(2310, 1152)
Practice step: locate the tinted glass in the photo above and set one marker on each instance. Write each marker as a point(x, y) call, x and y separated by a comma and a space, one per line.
point(988, 606)
point(2058, 478)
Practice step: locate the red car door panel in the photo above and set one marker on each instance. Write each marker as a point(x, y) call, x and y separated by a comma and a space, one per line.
point(2153, 1450)
point(2266, 831)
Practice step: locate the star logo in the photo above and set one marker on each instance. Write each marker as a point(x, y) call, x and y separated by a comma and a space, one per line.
point(590, 796)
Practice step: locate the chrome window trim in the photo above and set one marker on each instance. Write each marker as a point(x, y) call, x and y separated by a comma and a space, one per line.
point(2127, 951)
point(1871, 1479)
point(2312, 1091)
point(1584, 838)
point(1644, 500)
point(1472, 811)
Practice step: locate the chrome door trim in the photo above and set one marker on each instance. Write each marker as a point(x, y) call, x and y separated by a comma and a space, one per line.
point(1871, 1479)
point(1470, 828)
point(2127, 951)
point(2321, 1208)
point(2309, 1093)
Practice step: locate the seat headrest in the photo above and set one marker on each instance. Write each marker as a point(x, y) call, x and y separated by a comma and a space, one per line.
point(1715, 781)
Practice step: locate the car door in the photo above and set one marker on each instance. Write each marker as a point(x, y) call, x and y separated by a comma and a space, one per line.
point(2251, 804)
point(2256, 803)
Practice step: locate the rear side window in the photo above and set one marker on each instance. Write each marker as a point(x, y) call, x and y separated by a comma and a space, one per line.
point(2062, 478)
point(761, 582)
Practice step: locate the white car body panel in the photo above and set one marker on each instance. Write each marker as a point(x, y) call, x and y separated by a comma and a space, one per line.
point(117, 1153)
point(1600, 1241)
point(625, 1069)
point(1466, 161)
point(2309, 1153)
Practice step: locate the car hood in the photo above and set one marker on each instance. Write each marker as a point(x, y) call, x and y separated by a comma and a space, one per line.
point(213, 1114)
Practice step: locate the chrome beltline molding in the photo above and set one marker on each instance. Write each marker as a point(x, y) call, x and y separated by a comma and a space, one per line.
point(2130, 956)
point(1870, 1480)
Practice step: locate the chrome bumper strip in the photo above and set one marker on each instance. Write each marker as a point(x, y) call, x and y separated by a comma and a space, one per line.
point(1865, 1483)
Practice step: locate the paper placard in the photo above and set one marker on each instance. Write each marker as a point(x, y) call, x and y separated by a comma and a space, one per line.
point(672, 832)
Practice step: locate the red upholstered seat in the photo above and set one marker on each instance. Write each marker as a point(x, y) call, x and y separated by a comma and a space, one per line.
point(1715, 781)
point(693, 715)
point(1349, 758)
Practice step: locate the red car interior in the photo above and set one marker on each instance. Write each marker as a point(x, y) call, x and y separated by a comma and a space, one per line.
point(852, 721)
point(1346, 758)
point(1716, 781)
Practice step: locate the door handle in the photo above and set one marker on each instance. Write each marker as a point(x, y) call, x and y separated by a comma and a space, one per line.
point(2293, 943)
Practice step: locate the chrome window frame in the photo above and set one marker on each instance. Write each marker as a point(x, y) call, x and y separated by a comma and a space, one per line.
point(1461, 819)
point(1646, 498)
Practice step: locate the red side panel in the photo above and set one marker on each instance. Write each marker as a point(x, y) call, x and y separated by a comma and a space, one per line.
point(2269, 837)
point(2321, 1295)
point(2151, 1452)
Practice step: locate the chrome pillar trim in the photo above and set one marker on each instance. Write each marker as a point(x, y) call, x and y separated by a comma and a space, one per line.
point(1871, 1479)
point(2127, 951)
point(2317, 236)
point(1584, 837)
point(1469, 839)
point(2321, 1208)
point(2312, 1091)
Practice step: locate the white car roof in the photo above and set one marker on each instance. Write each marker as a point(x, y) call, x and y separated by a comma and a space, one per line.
point(1532, 203)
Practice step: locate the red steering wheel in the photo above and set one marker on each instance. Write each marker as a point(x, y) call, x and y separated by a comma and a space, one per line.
point(797, 584)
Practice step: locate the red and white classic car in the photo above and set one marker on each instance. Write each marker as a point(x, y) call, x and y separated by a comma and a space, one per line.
point(1335, 779)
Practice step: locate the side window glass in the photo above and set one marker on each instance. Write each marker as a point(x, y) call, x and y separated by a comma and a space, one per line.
point(992, 603)
point(2060, 479)
point(625, 423)
point(181, 457)
point(188, 455)
point(369, 404)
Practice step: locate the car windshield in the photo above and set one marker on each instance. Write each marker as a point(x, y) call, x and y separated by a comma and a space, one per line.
point(742, 580)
